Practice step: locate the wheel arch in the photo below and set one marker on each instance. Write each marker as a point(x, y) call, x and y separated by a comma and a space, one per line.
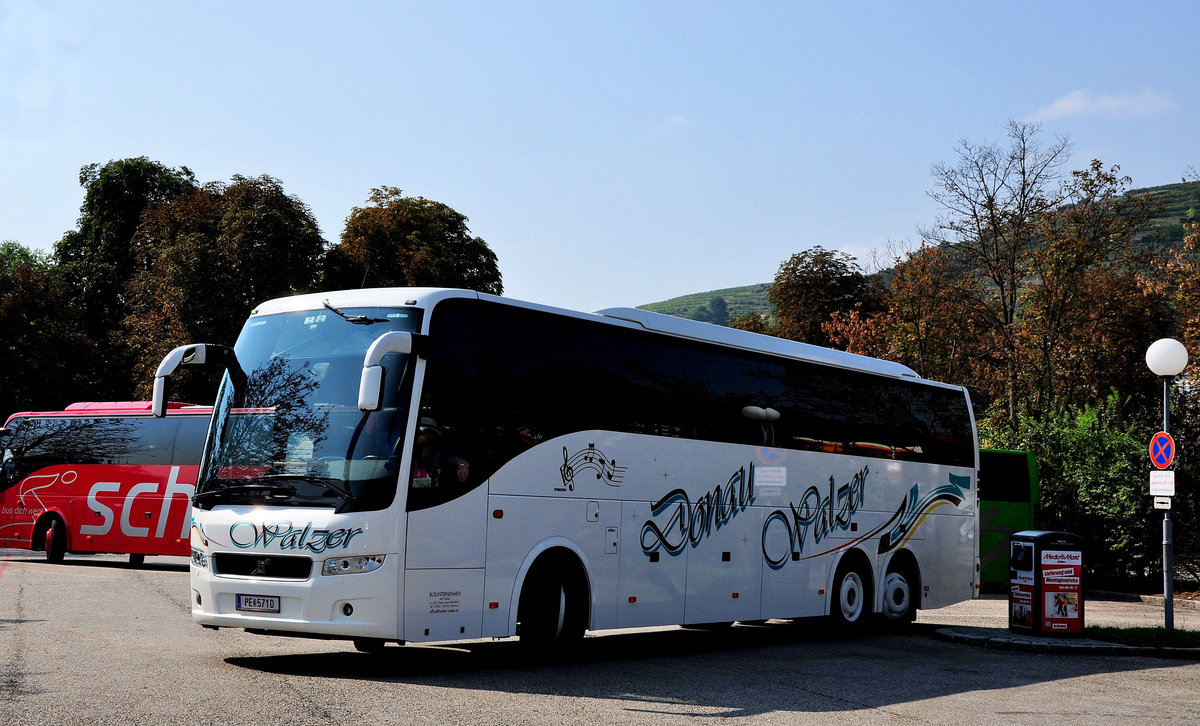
point(37, 537)
point(547, 552)
point(856, 557)
point(904, 560)
point(900, 580)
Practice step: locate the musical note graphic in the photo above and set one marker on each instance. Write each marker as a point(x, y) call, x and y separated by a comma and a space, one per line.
point(593, 459)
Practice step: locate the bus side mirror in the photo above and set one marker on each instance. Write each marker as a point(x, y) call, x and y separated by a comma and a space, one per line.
point(370, 385)
point(193, 354)
point(183, 355)
point(758, 413)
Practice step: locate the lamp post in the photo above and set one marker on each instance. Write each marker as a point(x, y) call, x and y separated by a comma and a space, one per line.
point(1167, 358)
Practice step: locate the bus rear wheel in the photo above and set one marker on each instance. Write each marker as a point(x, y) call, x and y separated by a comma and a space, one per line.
point(56, 541)
point(899, 604)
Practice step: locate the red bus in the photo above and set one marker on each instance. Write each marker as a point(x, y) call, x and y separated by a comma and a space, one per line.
point(101, 477)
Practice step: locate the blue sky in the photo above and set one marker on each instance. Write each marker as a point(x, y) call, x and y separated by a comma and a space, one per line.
point(611, 154)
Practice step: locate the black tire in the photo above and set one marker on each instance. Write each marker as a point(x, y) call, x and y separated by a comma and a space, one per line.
point(711, 627)
point(553, 608)
point(137, 560)
point(56, 541)
point(899, 597)
point(851, 604)
point(372, 646)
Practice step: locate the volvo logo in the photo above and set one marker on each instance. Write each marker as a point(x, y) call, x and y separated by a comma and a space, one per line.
point(260, 566)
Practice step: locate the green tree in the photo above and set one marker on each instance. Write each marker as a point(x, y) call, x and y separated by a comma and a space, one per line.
point(720, 310)
point(410, 242)
point(1094, 470)
point(43, 344)
point(813, 285)
point(210, 256)
point(1185, 505)
point(716, 312)
point(97, 258)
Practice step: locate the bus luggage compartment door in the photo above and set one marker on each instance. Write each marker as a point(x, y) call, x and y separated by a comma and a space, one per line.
point(443, 604)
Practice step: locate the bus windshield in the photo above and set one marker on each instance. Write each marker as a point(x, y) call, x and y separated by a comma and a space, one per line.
point(293, 434)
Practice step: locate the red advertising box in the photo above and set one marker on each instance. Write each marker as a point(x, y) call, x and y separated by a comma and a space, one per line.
point(1045, 583)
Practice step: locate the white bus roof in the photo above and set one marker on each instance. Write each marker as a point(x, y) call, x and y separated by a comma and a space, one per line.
point(629, 317)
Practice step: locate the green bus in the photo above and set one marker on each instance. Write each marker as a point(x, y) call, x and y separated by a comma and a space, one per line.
point(1008, 498)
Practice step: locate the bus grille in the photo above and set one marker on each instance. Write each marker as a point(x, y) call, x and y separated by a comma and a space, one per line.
point(279, 567)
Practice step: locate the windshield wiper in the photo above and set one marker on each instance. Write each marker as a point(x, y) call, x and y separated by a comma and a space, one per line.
point(356, 319)
point(266, 485)
point(330, 483)
point(271, 490)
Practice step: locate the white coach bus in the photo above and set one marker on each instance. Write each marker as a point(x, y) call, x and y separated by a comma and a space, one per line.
point(402, 464)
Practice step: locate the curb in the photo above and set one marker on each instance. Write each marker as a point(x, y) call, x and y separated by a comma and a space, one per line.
point(1179, 604)
point(1006, 640)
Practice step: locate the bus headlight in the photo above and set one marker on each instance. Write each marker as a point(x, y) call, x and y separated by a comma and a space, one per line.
point(352, 565)
point(199, 559)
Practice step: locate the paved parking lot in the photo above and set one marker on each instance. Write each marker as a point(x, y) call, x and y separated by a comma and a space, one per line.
point(95, 641)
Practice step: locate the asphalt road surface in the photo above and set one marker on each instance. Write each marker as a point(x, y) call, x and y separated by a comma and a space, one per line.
point(95, 641)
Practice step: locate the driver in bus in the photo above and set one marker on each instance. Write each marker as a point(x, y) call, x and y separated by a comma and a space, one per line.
point(432, 461)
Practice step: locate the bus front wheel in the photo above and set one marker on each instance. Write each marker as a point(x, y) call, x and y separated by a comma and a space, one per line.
point(56, 541)
point(552, 610)
point(371, 646)
point(852, 595)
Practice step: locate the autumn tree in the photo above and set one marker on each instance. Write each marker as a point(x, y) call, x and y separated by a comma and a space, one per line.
point(810, 287)
point(1178, 275)
point(409, 242)
point(923, 321)
point(209, 257)
point(1085, 317)
point(993, 199)
point(751, 322)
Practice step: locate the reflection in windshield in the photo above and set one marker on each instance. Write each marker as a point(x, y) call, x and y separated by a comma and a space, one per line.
point(295, 433)
point(276, 428)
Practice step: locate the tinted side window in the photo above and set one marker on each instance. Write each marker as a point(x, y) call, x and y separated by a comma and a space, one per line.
point(43, 442)
point(40, 442)
point(1004, 476)
point(147, 440)
point(189, 439)
point(500, 380)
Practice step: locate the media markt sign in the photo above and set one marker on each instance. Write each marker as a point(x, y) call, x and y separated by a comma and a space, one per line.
point(1162, 483)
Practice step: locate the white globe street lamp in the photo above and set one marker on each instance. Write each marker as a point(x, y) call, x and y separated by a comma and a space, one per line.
point(1167, 358)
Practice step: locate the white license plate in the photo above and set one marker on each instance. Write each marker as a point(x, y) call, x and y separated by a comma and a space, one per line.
point(258, 603)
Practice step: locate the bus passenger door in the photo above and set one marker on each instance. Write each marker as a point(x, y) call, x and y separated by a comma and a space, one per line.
point(653, 573)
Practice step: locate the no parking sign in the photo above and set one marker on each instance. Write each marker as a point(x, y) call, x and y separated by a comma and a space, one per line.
point(1162, 450)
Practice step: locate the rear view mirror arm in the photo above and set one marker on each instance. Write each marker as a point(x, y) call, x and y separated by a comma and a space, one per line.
point(194, 354)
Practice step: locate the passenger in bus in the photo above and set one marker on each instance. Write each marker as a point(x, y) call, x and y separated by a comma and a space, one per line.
point(432, 462)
